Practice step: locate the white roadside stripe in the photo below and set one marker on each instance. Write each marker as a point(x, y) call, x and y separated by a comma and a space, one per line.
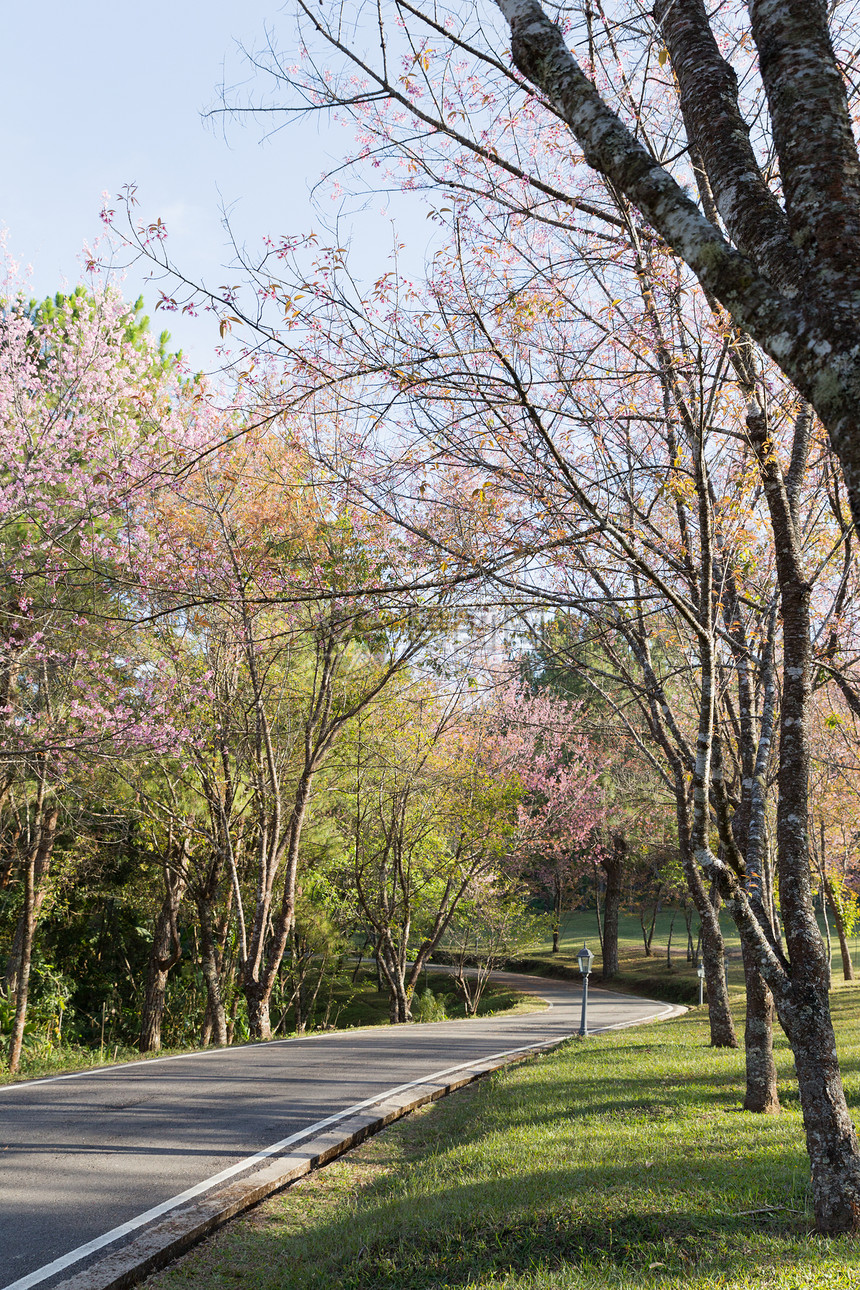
point(116, 1233)
point(202, 1052)
point(98, 1243)
point(157, 1061)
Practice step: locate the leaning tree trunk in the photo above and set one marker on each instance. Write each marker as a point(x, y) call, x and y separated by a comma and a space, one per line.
point(713, 951)
point(613, 867)
point(40, 890)
point(166, 953)
point(260, 969)
point(801, 996)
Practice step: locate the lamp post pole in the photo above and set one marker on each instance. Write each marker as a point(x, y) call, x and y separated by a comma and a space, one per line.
point(700, 972)
point(584, 958)
point(583, 1020)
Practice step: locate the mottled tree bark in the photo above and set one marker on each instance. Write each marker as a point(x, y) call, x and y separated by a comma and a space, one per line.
point(165, 954)
point(830, 1136)
point(257, 1000)
point(761, 1089)
point(723, 1034)
point(713, 950)
point(162, 958)
point(216, 1019)
point(812, 333)
point(801, 993)
point(27, 917)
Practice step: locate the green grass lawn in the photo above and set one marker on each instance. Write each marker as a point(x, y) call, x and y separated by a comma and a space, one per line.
point(581, 925)
point(618, 1161)
point(659, 975)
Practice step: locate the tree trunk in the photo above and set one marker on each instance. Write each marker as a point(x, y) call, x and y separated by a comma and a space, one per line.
point(648, 932)
point(231, 1023)
point(215, 1015)
point(400, 1010)
point(40, 890)
point(761, 1091)
point(165, 954)
point(152, 1009)
point(710, 938)
point(13, 962)
point(688, 920)
point(801, 996)
point(556, 914)
point(260, 969)
point(847, 965)
point(714, 959)
point(823, 896)
point(257, 998)
point(394, 974)
point(35, 870)
point(614, 869)
point(830, 1137)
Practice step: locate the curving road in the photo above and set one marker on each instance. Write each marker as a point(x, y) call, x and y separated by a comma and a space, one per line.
point(84, 1155)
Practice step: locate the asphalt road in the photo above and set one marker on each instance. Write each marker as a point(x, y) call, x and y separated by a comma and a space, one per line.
point(82, 1155)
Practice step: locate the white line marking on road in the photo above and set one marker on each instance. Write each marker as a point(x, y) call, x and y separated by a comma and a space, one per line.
point(203, 1052)
point(157, 1061)
point(108, 1238)
point(91, 1247)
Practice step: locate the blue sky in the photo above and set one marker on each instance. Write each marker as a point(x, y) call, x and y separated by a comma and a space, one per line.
point(100, 95)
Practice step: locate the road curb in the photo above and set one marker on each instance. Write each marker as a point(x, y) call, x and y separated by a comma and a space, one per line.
point(168, 1237)
point(164, 1241)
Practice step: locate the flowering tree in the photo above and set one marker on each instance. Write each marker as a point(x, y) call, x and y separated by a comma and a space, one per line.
point(615, 488)
point(657, 101)
point(84, 405)
point(544, 742)
point(268, 664)
point(432, 817)
point(628, 450)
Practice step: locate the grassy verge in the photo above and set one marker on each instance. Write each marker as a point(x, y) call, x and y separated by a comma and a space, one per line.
point(651, 977)
point(581, 925)
point(621, 1161)
point(42, 1060)
point(356, 1003)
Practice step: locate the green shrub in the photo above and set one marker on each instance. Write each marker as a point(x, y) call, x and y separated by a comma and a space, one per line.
point(428, 1007)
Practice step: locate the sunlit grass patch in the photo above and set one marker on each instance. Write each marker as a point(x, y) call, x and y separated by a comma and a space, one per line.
point(621, 1161)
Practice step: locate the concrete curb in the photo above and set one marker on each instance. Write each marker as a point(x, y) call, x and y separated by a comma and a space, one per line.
point(164, 1241)
point(167, 1238)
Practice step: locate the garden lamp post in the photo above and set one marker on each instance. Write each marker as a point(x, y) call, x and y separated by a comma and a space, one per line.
point(584, 958)
point(700, 973)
